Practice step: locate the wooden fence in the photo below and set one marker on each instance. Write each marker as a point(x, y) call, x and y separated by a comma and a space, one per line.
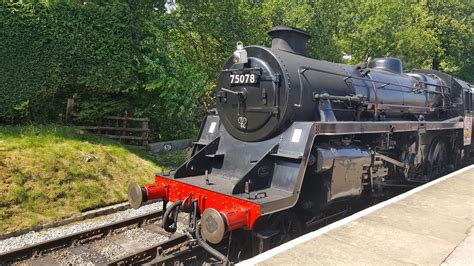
point(125, 129)
point(131, 130)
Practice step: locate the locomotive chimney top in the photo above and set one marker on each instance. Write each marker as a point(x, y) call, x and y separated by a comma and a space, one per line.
point(289, 39)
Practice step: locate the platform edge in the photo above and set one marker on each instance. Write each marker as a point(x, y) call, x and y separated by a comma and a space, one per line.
point(304, 238)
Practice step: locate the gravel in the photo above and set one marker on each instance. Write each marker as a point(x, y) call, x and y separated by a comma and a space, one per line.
point(144, 237)
point(65, 257)
point(45, 235)
point(109, 249)
point(181, 228)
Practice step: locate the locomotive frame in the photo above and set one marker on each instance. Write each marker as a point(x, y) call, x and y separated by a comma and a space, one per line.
point(284, 153)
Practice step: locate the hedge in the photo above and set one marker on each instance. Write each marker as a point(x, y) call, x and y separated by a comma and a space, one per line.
point(48, 53)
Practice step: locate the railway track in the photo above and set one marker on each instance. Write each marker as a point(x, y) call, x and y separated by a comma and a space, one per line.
point(135, 240)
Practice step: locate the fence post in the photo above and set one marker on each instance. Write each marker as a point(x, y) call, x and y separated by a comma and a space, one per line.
point(145, 133)
point(99, 126)
point(125, 123)
point(69, 109)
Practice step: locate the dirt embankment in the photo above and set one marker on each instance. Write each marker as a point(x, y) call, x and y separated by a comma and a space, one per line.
point(51, 172)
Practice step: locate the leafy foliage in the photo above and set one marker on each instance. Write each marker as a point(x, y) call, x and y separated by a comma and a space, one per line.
point(387, 29)
point(59, 50)
point(453, 26)
point(137, 56)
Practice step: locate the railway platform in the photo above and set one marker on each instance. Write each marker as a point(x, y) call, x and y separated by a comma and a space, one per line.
point(431, 225)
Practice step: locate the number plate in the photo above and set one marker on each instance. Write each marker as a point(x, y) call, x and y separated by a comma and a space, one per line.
point(244, 78)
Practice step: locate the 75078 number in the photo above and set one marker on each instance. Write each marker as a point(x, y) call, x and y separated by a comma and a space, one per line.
point(243, 78)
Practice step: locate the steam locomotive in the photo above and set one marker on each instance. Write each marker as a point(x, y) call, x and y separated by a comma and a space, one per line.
point(297, 141)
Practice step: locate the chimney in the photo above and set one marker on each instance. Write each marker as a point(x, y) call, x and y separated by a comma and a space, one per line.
point(289, 39)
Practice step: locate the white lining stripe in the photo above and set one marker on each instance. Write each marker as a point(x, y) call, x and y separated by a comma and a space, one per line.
point(277, 250)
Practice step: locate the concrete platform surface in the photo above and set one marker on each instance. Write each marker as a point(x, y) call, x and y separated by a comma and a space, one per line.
point(429, 225)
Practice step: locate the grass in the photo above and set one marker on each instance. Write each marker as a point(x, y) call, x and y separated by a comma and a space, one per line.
point(48, 173)
point(174, 158)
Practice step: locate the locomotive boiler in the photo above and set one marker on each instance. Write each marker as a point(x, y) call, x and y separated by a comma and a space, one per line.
point(297, 141)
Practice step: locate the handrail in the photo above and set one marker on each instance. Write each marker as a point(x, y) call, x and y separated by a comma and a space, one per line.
point(302, 69)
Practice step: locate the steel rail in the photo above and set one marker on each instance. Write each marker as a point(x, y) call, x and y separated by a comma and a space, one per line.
point(153, 252)
point(181, 256)
point(69, 240)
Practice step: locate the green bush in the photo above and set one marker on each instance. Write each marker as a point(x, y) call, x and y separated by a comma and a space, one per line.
point(52, 52)
point(110, 56)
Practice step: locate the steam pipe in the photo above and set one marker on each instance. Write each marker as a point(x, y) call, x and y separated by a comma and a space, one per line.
point(170, 224)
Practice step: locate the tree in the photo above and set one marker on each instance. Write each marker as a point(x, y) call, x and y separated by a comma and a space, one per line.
point(386, 28)
point(452, 23)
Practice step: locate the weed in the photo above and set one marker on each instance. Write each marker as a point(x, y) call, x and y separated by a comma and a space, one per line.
point(19, 194)
point(172, 158)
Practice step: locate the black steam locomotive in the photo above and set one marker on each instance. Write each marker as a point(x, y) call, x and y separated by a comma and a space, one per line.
point(298, 140)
